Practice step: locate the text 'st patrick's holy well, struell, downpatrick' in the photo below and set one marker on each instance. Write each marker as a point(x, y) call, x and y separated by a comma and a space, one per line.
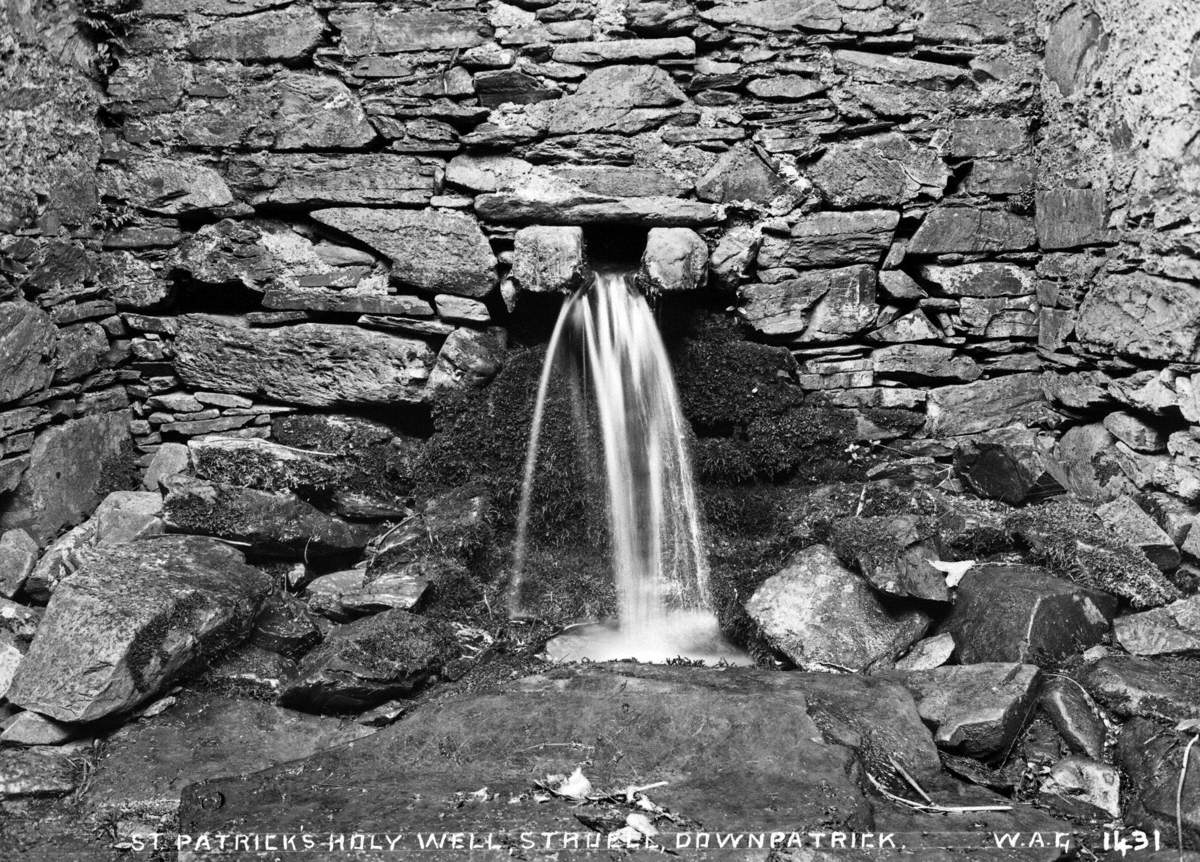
point(551, 430)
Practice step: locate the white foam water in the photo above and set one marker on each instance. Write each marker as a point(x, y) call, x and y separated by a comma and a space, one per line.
point(607, 341)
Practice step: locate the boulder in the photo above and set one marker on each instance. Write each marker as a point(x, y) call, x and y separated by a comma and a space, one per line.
point(1074, 715)
point(169, 460)
point(28, 342)
point(831, 239)
point(1083, 787)
point(18, 554)
point(1083, 462)
point(1134, 432)
point(262, 464)
point(893, 552)
point(1134, 314)
point(469, 358)
point(985, 405)
point(928, 653)
point(741, 174)
point(1173, 629)
point(1152, 758)
point(274, 34)
point(820, 614)
point(145, 765)
point(364, 663)
point(976, 709)
point(65, 479)
point(346, 595)
point(133, 619)
point(278, 524)
point(1008, 464)
point(879, 170)
point(548, 259)
point(29, 728)
point(319, 365)
point(461, 309)
point(1069, 218)
point(168, 186)
point(443, 252)
point(619, 99)
point(675, 259)
point(1139, 687)
point(968, 230)
point(1125, 518)
point(821, 305)
point(1008, 612)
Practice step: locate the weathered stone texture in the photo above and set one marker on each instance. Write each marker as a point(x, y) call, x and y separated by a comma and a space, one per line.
point(1142, 315)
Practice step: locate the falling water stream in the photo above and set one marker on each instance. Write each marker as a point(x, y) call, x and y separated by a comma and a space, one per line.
point(607, 342)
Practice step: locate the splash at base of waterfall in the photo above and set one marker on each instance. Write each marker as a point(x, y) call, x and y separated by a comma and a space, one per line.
point(692, 635)
point(607, 354)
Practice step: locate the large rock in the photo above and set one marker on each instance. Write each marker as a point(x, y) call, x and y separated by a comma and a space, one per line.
point(364, 663)
point(1009, 464)
point(1159, 794)
point(1023, 614)
point(1173, 629)
point(27, 349)
point(320, 365)
point(986, 405)
point(968, 230)
point(1138, 687)
point(778, 15)
point(445, 252)
point(831, 239)
point(275, 34)
point(880, 170)
point(675, 259)
point(262, 464)
point(1068, 218)
point(784, 764)
point(269, 524)
point(1074, 715)
point(1126, 519)
point(619, 100)
point(469, 358)
point(349, 178)
point(977, 709)
point(893, 552)
point(1142, 315)
point(133, 619)
point(821, 305)
point(369, 30)
point(820, 614)
point(924, 362)
point(971, 23)
point(548, 259)
point(741, 174)
point(66, 476)
point(981, 280)
point(37, 772)
point(169, 186)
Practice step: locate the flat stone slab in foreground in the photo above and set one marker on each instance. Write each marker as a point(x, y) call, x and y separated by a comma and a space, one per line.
point(740, 751)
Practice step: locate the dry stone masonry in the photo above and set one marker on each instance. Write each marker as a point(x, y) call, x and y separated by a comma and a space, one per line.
point(274, 283)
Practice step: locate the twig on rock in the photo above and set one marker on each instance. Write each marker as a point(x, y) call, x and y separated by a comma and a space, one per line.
point(933, 806)
point(912, 781)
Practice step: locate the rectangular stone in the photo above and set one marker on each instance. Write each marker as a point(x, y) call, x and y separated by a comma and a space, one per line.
point(349, 178)
point(968, 230)
point(985, 405)
point(394, 31)
point(624, 50)
point(1069, 218)
point(831, 239)
point(820, 305)
point(345, 302)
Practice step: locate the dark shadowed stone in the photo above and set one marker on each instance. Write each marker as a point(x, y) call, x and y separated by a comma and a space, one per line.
point(433, 250)
point(385, 31)
point(133, 619)
point(977, 709)
point(1074, 715)
point(277, 34)
point(741, 175)
point(965, 229)
point(1131, 686)
point(820, 614)
point(364, 663)
point(675, 259)
point(1142, 315)
point(64, 480)
point(1008, 464)
point(1173, 629)
point(285, 626)
point(831, 239)
point(731, 768)
point(1152, 758)
point(1075, 48)
point(27, 349)
point(350, 178)
point(277, 524)
point(513, 87)
point(985, 405)
point(821, 305)
point(883, 170)
point(548, 259)
point(625, 50)
point(1068, 218)
point(468, 359)
point(147, 764)
point(320, 365)
point(971, 22)
point(892, 552)
point(1025, 614)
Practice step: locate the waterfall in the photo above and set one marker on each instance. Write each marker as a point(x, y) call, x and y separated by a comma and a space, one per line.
point(607, 344)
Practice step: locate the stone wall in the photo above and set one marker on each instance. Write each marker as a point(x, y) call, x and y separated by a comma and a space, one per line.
point(976, 220)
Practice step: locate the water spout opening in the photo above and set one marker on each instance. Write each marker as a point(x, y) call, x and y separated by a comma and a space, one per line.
point(607, 350)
